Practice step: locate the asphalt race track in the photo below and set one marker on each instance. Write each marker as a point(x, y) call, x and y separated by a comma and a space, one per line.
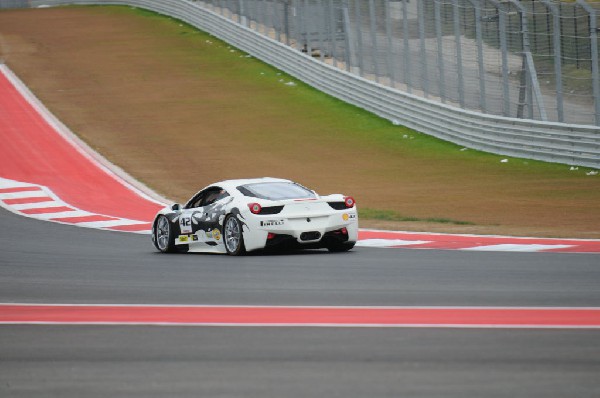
point(51, 263)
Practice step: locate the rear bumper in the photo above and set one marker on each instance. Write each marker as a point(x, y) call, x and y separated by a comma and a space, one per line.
point(317, 231)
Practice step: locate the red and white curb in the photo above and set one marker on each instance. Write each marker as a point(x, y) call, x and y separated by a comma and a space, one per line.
point(36, 201)
point(283, 316)
point(423, 240)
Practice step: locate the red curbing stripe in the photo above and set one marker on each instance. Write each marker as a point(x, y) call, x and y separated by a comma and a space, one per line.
point(19, 189)
point(304, 316)
point(46, 210)
point(132, 228)
point(90, 218)
point(448, 241)
point(20, 201)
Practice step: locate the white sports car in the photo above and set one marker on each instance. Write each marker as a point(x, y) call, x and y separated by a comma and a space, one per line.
point(237, 216)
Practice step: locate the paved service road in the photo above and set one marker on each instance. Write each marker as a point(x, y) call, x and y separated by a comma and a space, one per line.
point(50, 263)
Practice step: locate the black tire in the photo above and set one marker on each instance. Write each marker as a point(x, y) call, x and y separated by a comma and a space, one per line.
point(163, 236)
point(233, 237)
point(341, 247)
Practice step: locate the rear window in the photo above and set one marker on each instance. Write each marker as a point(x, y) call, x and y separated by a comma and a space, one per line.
point(276, 191)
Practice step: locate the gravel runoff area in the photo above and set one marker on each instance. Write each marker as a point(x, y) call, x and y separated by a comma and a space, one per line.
point(179, 109)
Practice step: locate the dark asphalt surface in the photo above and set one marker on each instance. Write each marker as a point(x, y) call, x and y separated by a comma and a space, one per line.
point(49, 263)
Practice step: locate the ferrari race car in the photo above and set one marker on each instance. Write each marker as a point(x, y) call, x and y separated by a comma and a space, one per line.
point(237, 216)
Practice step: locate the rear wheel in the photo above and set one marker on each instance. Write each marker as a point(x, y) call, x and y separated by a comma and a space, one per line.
point(234, 238)
point(164, 239)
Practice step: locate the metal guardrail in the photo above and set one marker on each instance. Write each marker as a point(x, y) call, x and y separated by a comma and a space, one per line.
point(546, 141)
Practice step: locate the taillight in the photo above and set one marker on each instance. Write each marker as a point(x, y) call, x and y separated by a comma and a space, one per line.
point(349, 202)
point(255, 208)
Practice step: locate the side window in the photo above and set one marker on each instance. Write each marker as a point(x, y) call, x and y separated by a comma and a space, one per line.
point(207, 197)
point(214, 195)
point(196, 201)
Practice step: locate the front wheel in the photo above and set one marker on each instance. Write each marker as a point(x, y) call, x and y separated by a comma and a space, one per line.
point(164, 239)
point(234, 238)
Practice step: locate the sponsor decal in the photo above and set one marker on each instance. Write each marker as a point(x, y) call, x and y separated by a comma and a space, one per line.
point(195, 238)
point(216, 234)
point(271, 223)
point(347, 216)
point(183, 238)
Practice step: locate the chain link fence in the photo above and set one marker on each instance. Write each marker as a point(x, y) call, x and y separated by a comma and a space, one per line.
point(529, 59)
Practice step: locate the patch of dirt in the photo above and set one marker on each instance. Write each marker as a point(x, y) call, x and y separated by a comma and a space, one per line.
point(178, 110)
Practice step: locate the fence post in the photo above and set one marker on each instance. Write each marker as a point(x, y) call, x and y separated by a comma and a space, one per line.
point(348, 49)
point(479, 40)
point(440, 47)
point(297, 25)
point(406, 54)
point(373, 31)
point(321, 23)
point(594, 56)
point(504, 52)
point(277, 21)
point(459, 65)
point(424, 73)
point(528, 70)
point(332, 32)
point(557, 58)
point(390, 44)
point(358, 23)
point(243, 19)
point(306, 28)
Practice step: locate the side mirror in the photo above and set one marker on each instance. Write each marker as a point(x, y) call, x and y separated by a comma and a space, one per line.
point(176, 207)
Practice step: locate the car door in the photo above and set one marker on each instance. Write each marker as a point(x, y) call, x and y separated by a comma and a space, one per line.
point(202, 216)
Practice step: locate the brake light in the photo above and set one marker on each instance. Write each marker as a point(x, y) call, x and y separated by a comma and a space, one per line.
point(255, 208)
point(349, 202)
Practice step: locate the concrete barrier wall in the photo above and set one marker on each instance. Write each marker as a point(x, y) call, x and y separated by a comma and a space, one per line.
point(546, 141)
